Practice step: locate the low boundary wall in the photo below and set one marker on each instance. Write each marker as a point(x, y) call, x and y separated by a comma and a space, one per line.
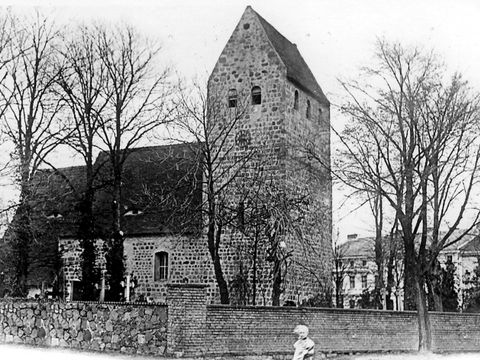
point(188, 327)
point(133, 329)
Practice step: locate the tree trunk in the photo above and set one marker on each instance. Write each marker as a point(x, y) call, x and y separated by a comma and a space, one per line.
point(424, 328)
point(213, 237)
point(410, 273)
point(254, 280)
point(21, 250)
point(22, 238)
point(214, 233)
point(115, 261)
point(86, 235)
point(277, 282)
point(390, 280)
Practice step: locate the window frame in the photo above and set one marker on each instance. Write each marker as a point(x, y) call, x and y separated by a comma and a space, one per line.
point(232, 98)
point(352, 281)
point(161, 262)
point(364, 281)
point(295, 100)
point(308, 110)
point(256, 95)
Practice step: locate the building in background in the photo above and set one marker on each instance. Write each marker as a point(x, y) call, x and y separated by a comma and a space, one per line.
point(358, 269)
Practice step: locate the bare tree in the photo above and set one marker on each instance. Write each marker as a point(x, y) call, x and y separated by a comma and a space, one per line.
point(82, 83)
point(138, 90)
point(424, 130)
point(213, 124)
point(29, 120)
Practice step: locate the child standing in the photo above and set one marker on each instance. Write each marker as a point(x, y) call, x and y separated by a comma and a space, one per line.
point(304, 346)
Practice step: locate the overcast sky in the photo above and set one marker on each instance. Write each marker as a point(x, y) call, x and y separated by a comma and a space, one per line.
point(335, 37)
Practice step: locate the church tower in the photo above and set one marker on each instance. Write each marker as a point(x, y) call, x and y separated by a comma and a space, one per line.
point(275, 160)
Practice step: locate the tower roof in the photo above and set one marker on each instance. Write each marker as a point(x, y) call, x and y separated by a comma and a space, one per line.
point(298, 71)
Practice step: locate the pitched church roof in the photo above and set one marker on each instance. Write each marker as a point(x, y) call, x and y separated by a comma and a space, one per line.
point(161, 193)
point(298, 71)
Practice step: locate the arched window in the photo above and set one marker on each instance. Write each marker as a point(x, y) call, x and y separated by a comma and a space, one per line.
point(232, 98)
point(295, 100)
point(256, 95)
point(309, 110)
point(161, 266)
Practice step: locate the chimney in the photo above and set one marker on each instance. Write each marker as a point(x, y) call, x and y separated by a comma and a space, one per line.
point(352, 236)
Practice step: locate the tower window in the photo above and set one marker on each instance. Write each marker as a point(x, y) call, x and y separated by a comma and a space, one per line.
point(161, 266)
point(295, 100)
point(309, 110)
point(256, 95)
point(232, 98)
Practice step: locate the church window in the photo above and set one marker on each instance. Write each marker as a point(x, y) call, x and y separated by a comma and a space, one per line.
point(161, 266)
point(232, 98)
point(256, 95)
point(295, 100)
point(309, 110)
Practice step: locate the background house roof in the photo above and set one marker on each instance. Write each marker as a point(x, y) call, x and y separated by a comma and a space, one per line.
point(365, 247)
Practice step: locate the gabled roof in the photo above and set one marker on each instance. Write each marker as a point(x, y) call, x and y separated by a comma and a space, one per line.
point(472, 245)
point(359, 247)
point(161, 191)
point(298, 71)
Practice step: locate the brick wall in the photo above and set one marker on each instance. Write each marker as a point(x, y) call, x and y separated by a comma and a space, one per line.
point(132, 329)
point(268, 330)
point(186, 319)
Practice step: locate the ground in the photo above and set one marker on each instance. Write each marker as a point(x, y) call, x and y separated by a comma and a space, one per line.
point(22, 352)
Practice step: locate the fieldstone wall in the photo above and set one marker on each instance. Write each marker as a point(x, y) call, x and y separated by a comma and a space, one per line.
point(71, 256)
point(275, 132)
point(131, 329)
point(188, 262)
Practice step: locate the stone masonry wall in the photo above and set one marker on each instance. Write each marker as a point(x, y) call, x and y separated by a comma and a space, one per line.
point(188, 258)
point(132, 329)
point(269, 129)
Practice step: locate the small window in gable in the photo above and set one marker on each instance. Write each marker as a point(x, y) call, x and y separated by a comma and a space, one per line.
point(161, 266)
point(133, 212)
point(55, 215)
point(295, 100)
point(309, 110)
point(256, 95)
point(232, 98)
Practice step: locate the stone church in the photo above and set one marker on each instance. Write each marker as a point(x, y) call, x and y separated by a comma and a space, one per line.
point(272, 163)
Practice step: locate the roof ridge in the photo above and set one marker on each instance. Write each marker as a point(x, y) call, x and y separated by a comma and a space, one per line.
point(298, 71)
